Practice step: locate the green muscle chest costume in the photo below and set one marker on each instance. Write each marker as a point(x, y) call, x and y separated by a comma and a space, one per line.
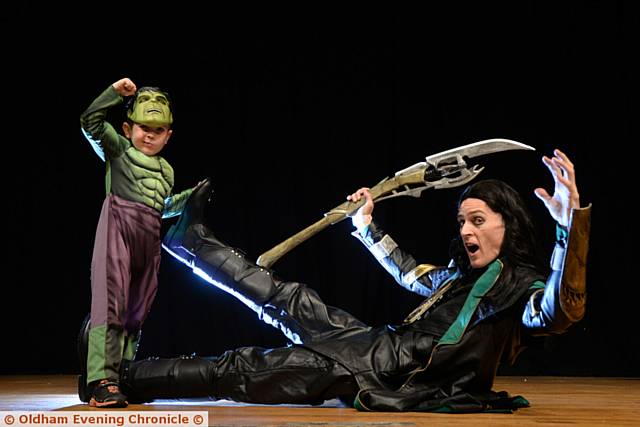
point(131, 174)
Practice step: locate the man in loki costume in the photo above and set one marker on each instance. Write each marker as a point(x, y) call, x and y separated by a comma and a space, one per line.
point(478, 311)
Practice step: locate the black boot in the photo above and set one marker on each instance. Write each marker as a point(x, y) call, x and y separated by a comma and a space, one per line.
point(228, 268)
point(193, 213)
point(84, 391)
point(153, 378)
point(194, 244)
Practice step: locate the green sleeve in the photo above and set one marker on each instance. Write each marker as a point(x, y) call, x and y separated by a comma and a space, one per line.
point(102, 136)
point(174, 204)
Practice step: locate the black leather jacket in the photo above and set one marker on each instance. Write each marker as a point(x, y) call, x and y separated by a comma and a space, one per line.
point(414, 367)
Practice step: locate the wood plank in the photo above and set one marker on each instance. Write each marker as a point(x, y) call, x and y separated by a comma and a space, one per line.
point(554, 401)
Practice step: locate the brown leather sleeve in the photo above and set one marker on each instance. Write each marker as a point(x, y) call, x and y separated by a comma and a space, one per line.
point(562, 302)
point(573, 288)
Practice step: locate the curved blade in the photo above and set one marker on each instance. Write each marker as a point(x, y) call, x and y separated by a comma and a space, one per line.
point(480, 148)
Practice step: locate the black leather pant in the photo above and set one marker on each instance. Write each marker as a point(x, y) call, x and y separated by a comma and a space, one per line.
point(252, 374)
point(292, 374)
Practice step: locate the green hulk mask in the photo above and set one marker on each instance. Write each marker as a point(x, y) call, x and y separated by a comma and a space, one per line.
point(151, 108)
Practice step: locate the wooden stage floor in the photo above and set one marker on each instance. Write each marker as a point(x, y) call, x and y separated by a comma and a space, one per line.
point(583, 401)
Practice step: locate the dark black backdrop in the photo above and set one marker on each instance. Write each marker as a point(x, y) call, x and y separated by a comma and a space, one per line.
point(290, 110)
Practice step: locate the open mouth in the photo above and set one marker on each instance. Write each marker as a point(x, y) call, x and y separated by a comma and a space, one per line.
point(153, 110)
point(472, 248)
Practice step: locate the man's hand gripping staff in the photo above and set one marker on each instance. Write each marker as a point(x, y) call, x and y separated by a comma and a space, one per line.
point(447, 169)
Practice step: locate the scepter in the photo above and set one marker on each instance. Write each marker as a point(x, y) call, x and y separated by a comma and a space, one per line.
point(447, 169)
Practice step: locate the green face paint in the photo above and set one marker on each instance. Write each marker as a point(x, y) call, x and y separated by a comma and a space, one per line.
point(151, 108)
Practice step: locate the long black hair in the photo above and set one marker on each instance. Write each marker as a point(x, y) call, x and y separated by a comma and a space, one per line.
point(520, 247)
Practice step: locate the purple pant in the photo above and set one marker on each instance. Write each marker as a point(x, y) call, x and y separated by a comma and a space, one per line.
point(126, 259)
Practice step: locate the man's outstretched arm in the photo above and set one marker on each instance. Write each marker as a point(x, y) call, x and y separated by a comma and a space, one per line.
point(563, 300)
point(422, 279)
